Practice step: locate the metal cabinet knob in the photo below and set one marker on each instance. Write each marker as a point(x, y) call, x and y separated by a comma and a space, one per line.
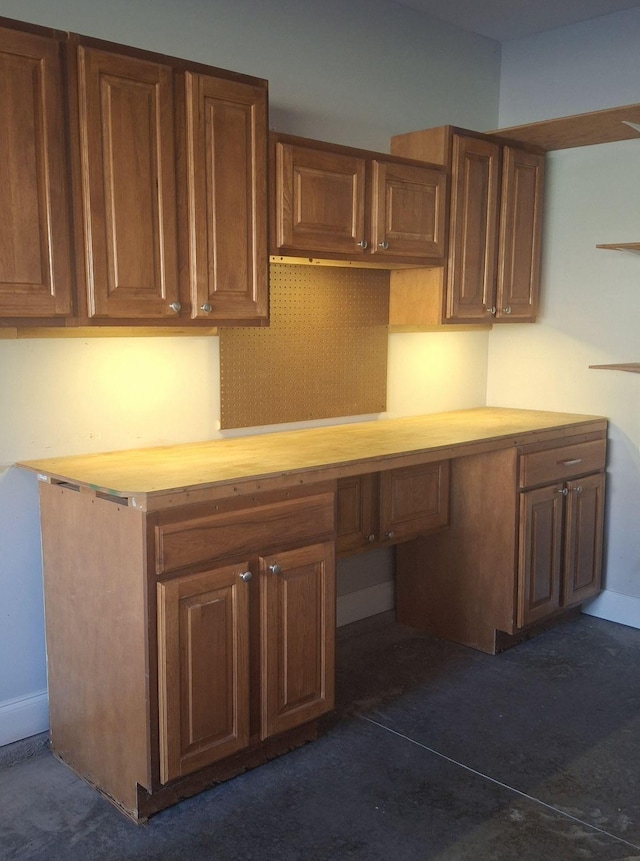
point(176, 306)
point(563, 491)
point(206, 307)
point(275, 568)
point(491, 310)
point(577, 489)
point(371, 538)
point(390, 534)
point(246, 576)
point(507, 310)
point(363, 244)
point(384, 245)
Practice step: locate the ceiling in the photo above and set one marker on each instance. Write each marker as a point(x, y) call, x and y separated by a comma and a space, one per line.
point(513, 19)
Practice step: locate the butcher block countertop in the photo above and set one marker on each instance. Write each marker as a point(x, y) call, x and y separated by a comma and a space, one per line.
point(165, 476)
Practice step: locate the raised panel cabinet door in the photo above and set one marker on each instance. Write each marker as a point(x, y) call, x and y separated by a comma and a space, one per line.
point(583, 543)
point(226, 163)
point(408, 210)
point(413, 500)
point(357, 515)
point(520, 235)
point(540, 553)
point(320, 201)
point(203, 669)
point(128, 186)
point(298, 634)
point(473, 232)
point(35, 249)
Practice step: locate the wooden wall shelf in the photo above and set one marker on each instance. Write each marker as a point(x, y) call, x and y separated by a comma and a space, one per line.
point(622, 246)
point(631, 367)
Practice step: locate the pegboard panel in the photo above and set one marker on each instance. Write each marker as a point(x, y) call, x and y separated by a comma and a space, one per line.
point(323, 355)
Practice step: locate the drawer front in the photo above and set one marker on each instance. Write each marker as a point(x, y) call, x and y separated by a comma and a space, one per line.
point(558, 464)
point(244, 533)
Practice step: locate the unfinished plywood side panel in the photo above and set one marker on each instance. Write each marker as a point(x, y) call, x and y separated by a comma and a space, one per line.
point(94, 552)
point(324, 354)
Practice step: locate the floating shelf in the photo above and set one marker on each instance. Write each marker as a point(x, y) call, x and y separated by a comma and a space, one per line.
point(622, 246)
point(631, 367)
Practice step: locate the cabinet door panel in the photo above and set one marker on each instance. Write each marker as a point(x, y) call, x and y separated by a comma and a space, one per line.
point(357, 512)
point(520, 235)
point(473, 237)
point(414, 499)
point(408, 210)
point(128, 185)
point(227, 209)
point(203, 655)
point(540, 554)
point(35, 256)
point(583, 547)
point(320, 200)
point(298, 632)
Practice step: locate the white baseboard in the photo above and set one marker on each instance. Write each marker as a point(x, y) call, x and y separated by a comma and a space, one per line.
point(615, 607)
point(23, 717)
point(365, 602)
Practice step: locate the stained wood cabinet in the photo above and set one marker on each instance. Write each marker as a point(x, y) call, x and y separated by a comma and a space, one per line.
point(492, 269)
point(388, 507)
point(36, 272)
point(341, 203)
point(141, 182)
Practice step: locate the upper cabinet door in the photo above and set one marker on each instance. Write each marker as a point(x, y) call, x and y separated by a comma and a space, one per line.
point(320, 201)
point(408, 210)
point(226, 163)
point(35, 257)
point(128, 187)
point(520, 234)
point(473, 237)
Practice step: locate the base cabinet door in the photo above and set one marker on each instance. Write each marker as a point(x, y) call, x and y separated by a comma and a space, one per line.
point(203, 659)
point(540, 562)
point(583, 546)
point(298, 633)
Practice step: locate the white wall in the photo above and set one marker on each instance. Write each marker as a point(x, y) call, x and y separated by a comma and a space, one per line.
point(352, 72)
point(591, 300)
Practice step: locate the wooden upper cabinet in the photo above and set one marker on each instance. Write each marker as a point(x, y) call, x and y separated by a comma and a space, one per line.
point(35, 252)
point(408, 210)
point(520, 234)
point(320, 201)
point(226, 213)
point(473, 230)
point(340, 203)
point(128, 187)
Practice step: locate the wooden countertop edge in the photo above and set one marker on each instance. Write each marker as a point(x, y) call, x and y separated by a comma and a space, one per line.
point(245, 485)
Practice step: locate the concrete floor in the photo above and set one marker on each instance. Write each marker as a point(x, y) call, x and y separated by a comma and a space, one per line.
point(435, 752)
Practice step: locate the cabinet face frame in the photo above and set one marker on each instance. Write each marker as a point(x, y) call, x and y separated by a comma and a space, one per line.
point(36, 270)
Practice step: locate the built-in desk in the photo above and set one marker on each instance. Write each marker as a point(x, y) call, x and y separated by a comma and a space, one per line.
point(190, 589)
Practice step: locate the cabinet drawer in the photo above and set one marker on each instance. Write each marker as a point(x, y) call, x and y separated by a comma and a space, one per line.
point(558, 464)
point(244, 533)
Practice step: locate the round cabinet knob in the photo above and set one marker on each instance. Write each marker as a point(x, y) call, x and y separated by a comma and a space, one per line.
point(363, 244)
point(507, 310)
point(275, 568)
point(371, 538)
point(246, 576)
point(206, 307)
point(491, 310)
point(176, 307)
point(577, 489)
point(563, 491)
point(384, 245)
point(390, 534)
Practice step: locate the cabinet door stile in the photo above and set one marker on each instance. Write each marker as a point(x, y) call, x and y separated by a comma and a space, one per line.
point(203, 654)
